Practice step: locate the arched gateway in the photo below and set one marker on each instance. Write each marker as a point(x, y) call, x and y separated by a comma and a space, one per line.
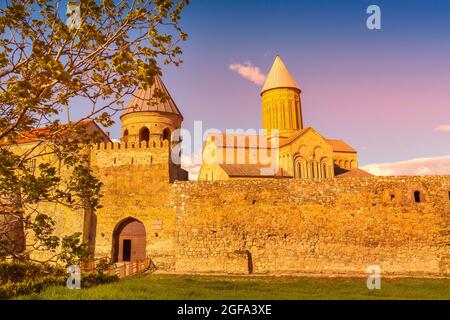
point(129, 241)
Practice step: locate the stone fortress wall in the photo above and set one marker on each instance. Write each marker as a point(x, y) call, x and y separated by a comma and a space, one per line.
point(332, 226)
point(136, 186)
point(315, 224)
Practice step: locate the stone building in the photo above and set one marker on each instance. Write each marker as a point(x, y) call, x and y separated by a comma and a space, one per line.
point(246, 215)
point(151, 115)
point(286, 149)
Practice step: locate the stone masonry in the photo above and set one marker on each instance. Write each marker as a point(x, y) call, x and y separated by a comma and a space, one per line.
point(332, 226)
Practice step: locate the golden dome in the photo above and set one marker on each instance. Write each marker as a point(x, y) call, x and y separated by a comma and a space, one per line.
point(143, 100)
point(279, 77)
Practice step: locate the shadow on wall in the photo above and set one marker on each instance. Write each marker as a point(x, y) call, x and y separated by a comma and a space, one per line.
point(250, 262)
point(12, 235)
point(338, 170)
point(90, 230)
point(249, 259)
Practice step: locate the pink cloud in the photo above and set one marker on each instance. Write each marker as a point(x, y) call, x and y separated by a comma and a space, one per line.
point(445, 127)
point(413, 167)
point(249, 72)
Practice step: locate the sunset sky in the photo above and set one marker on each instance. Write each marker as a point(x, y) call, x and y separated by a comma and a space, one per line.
point(386, 92)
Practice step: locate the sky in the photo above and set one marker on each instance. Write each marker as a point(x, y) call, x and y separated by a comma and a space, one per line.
point(385, 92)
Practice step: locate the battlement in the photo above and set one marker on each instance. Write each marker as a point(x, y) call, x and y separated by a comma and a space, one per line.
point(154, 152)
point(127, 146)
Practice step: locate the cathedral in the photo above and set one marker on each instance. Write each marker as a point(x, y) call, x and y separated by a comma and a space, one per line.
point(287, 149)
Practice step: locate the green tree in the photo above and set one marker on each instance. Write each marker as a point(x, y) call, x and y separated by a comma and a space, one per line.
point(50, 53)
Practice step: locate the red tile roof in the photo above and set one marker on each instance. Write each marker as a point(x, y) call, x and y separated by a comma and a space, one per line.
point(347, 173)
point(295, 135)
point(257, 141)
point(340, 146)
point(45, 133)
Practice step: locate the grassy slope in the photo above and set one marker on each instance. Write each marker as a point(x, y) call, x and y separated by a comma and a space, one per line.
point(214, 287)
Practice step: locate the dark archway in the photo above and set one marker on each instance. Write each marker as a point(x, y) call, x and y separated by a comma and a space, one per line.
point(166, 134)
point(129, 241)
point(313, 169)
point(417, 196)
point(324, 170)
point(144, 134)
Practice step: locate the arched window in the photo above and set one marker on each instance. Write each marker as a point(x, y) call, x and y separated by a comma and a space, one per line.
point(324, 170)
point(144, 134)
point(300, 168)
point(166, 134)
point(297, 173)
point(324, 167)
point(125, 136)
point(313, 171)
point(417, 196)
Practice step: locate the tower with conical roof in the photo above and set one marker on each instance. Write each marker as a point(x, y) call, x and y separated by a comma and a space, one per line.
point(281, 104)
point(150, 115)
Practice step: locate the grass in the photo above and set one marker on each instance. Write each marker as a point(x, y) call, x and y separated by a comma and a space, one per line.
point(227, 287)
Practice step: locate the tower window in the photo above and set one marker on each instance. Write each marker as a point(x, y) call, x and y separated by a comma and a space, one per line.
point(166, 134)
point(417, 196)
point(125, 136)
point(144, 134)
point(298, 169)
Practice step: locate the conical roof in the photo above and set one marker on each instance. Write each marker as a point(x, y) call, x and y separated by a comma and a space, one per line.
point(279, 77)
point(144, 100)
